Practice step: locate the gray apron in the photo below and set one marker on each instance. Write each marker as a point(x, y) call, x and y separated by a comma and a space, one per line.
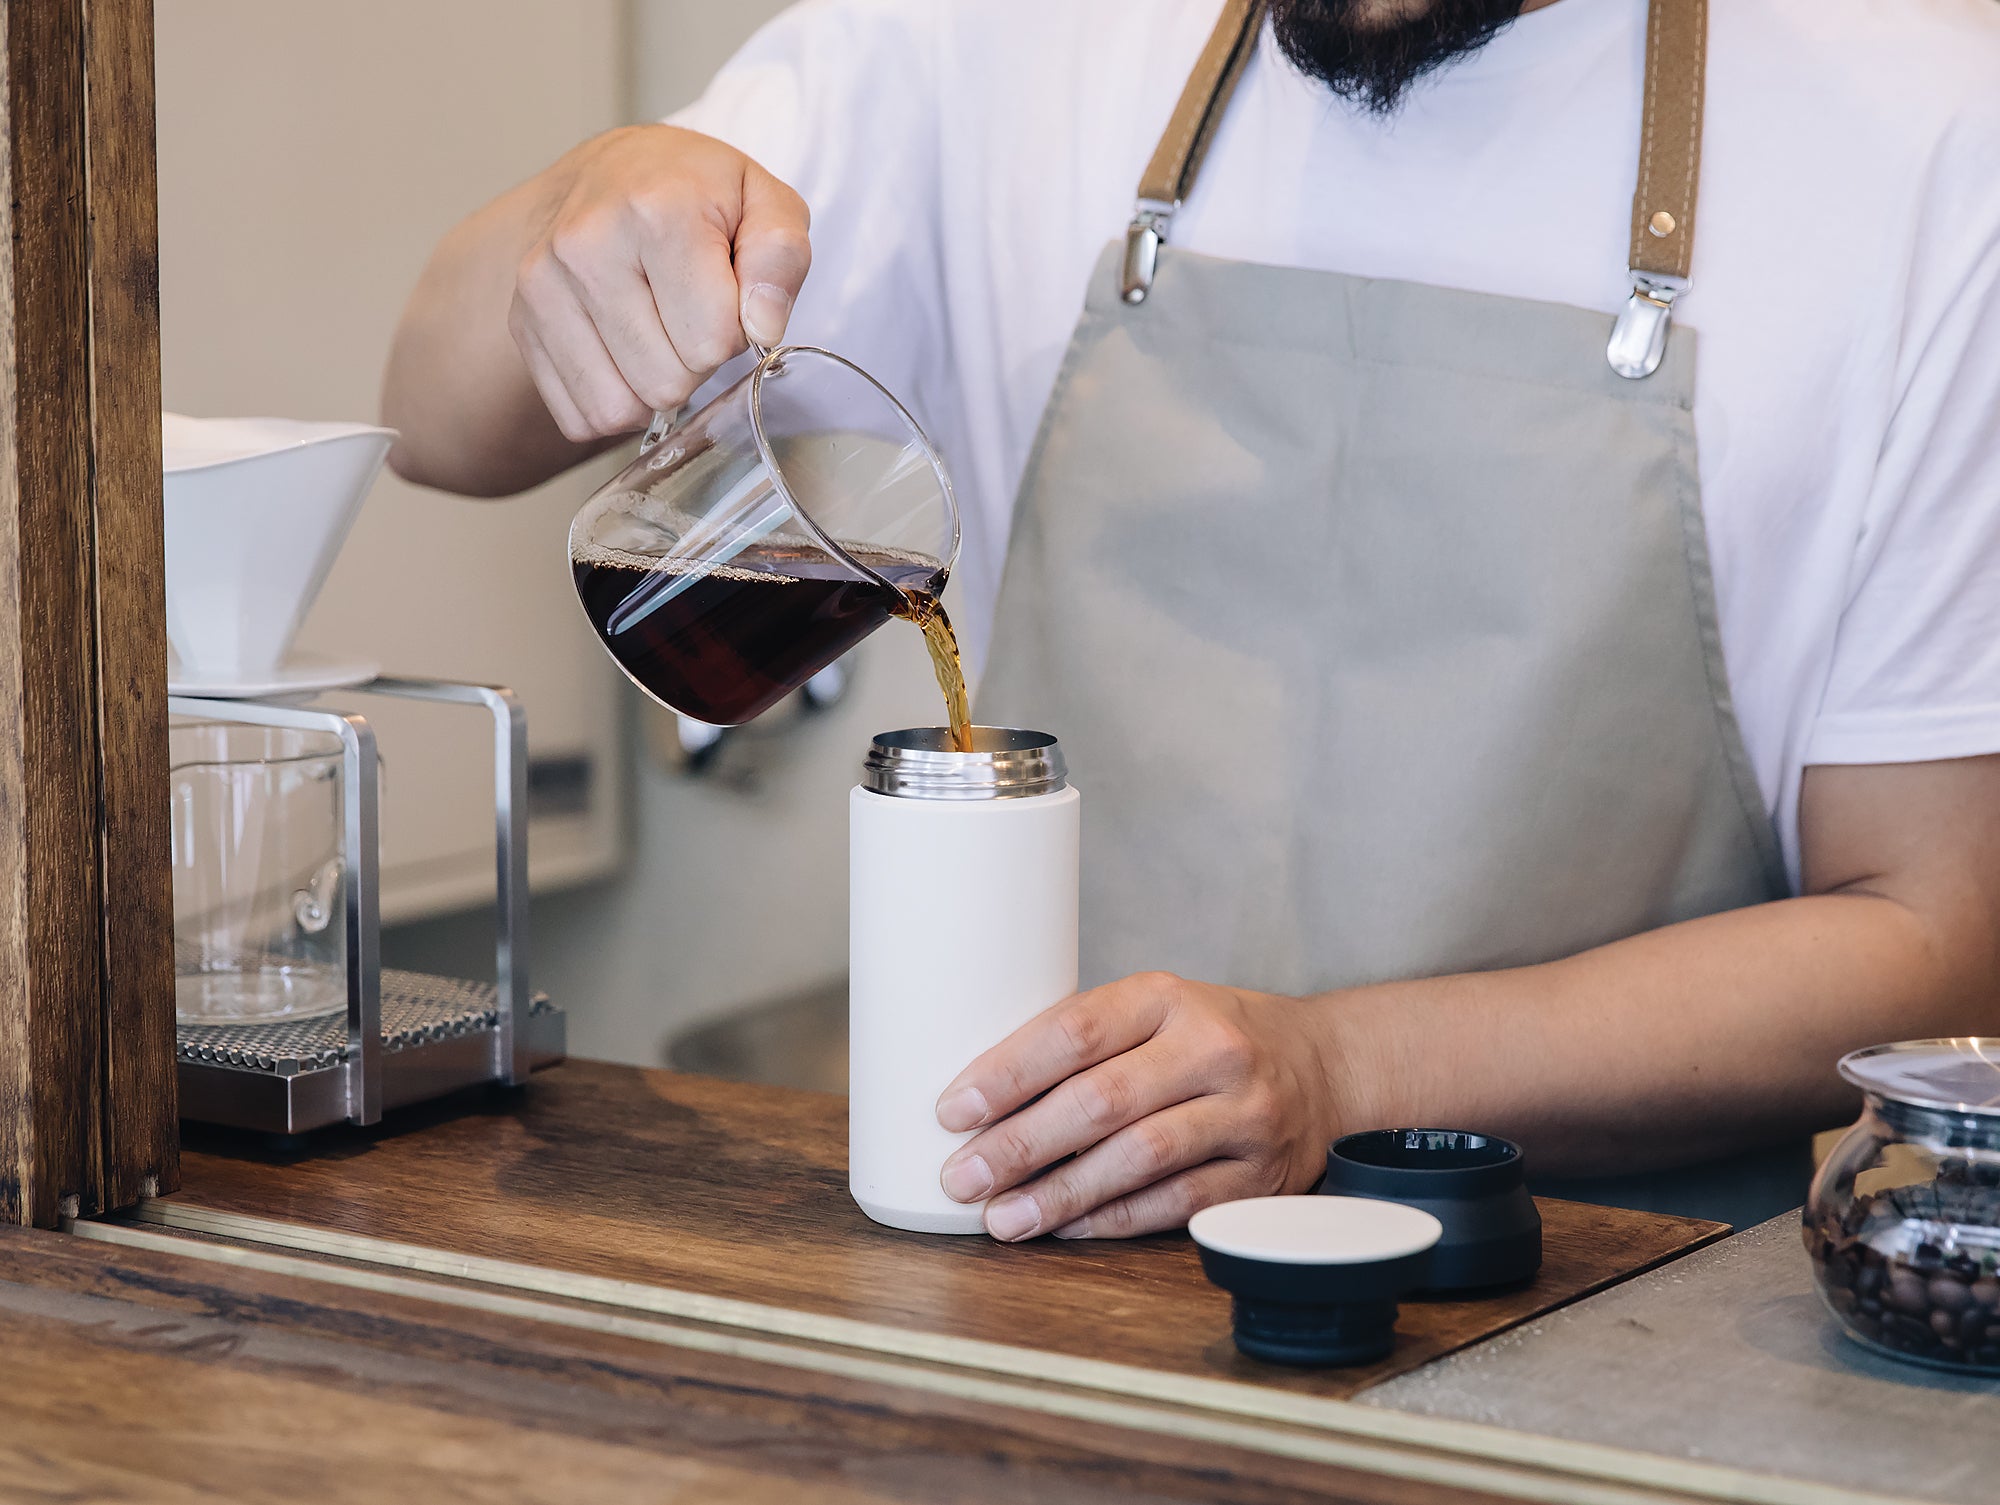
point(1377, 619)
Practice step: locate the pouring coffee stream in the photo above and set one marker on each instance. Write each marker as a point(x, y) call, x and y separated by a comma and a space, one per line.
point(751, 544)
point(928, 613)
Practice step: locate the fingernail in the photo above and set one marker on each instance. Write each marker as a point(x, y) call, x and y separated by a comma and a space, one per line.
point(962, 1110)
point(1079, 1229)
point(767, 308)
point(1012, 1218)
point(967, 1180)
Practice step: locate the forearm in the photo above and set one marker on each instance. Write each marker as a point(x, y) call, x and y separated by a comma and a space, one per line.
point(1672, 1046)
point(457, 388)
point(1125, 1109)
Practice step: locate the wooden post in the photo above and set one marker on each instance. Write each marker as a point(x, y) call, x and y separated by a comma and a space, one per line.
point(86, 970)
point(141, 1138)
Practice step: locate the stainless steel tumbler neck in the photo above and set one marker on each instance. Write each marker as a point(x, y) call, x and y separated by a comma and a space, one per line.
point(1004, 764)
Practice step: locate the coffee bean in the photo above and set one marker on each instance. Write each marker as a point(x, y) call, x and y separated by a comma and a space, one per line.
point(1917, 1329)
point(1937, 1301)
point(1949, 1295)
point(1908, 1293)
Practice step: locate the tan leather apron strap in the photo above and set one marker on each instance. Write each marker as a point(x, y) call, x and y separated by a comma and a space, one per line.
point(1177, 159)
point(1663, 204)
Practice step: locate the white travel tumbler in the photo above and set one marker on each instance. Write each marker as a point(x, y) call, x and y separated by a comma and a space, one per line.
point(962, 927)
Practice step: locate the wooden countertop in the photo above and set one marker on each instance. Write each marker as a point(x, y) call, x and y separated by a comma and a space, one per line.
point(619, 1284)
point(137, 1375)
point(665, 1182)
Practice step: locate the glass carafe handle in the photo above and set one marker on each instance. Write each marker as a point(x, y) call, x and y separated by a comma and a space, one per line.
point(663, 423)
point(661, 426)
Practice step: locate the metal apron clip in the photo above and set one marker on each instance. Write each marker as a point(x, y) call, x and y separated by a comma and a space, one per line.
point(1143, 240)
point(1639, 339)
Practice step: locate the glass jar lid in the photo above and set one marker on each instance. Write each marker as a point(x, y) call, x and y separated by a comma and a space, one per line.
point(1959, 1075)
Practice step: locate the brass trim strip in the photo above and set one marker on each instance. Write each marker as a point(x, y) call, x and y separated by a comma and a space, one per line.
point(1468, 1455)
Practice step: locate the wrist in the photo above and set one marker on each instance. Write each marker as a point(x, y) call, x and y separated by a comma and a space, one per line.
point(1358, 1062)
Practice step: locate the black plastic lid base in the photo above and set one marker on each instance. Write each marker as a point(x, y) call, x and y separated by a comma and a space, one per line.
point(1491, 1264)
point(1471, 1183)
point(1356, 1332)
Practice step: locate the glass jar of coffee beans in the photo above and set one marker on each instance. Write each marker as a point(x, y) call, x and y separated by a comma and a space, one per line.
point(1903, 1223)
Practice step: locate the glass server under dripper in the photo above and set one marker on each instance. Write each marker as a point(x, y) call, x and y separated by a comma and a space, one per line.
point(394, 1037)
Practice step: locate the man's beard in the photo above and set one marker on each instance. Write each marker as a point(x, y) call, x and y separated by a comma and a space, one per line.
point(1371, 51)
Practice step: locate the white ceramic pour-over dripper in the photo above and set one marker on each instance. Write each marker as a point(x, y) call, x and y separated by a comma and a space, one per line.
point(256, 512)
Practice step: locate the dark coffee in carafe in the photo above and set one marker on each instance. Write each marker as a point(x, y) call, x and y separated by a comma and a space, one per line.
point(725, 643)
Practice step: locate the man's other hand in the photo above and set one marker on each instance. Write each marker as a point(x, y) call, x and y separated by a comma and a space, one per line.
point(1170, 1095)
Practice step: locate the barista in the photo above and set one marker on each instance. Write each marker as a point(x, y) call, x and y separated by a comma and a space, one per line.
point(1512, 544)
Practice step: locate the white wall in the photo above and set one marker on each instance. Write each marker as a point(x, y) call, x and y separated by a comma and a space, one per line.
point(310, 157)
point(674, 46)
point(733, 895)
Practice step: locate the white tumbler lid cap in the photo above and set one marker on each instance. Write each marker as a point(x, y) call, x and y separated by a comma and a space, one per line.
point(1315, 1230)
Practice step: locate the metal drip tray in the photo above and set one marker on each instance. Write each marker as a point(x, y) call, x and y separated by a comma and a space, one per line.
point(439, 1034)
point(416, 1010)
point(403, 1037)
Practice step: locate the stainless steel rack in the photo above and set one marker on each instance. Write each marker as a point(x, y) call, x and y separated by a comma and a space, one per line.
point(405, 1037)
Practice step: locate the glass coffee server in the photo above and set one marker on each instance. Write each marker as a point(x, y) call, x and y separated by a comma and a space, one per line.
point(750, 544)
point(287, 1020)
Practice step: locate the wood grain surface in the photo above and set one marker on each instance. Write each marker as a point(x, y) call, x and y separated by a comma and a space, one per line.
point(51, 1025)
point(86, 980)
point(728, 1190)
point(141, 1143)
point(138, 1375)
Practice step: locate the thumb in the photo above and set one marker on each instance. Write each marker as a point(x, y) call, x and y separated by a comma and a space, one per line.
point(772, 253)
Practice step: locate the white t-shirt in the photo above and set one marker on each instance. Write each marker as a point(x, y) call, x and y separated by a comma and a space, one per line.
point(967, 160)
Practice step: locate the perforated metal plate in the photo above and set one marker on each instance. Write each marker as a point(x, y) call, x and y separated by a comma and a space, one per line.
point(416, 1010)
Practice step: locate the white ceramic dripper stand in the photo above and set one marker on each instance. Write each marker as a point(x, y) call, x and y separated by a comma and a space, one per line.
point(256, 512)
